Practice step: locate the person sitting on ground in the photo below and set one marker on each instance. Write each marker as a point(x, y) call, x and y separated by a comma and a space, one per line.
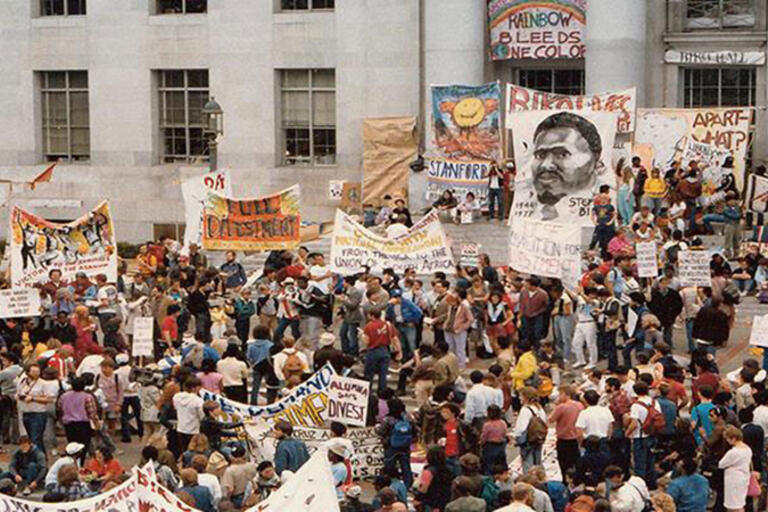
point(69, 485)
point(203, 499)
point(27, 467)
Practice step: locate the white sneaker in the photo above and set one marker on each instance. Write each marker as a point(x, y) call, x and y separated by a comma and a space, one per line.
point(26, 492)
point(589, 367)
point(578, 365)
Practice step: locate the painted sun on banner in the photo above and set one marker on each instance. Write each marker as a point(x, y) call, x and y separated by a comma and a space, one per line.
point(259, 224)
point(465, 121)
point(537, 29)
point(83, 245)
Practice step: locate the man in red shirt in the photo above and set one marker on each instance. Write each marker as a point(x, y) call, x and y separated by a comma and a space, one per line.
point(533, 312)
point(564, 417)
point(452, 435)
point(170, 328)
point(379, 335)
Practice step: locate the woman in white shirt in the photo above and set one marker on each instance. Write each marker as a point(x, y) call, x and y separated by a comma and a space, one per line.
point(529, 453)
point(468, 205)
point(33, 396)
point(736, 464)
point(235, 373)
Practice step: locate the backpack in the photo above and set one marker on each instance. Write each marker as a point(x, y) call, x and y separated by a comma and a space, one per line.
point(583, 503)
point(536, 432)
point(612, 307)
point(654, 422)
point(293, 364)
point(489, 492)
point(672, 252)
point(402, 433)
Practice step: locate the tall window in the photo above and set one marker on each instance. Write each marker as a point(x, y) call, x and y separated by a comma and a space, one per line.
point(64, 100)
point(719, 14)
point(559, 81)
point(719, 87)
point(306, 5)
point(308, 101)
point(62, 7)
point(182, 96)
point(181, 6)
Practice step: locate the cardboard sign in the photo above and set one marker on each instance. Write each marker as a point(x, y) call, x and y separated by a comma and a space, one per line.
point(143, 336)
point(19, 302)
point(546, 249)
point(467, 218)
point(470, 255)
point(348, 400)
point(647, 262)
point(759, 335)
point(694, 268)
point(335, 189)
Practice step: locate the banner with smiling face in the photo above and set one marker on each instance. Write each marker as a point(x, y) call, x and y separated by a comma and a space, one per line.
point(465, 121)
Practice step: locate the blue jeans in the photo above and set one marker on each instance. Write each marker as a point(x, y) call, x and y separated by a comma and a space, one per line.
point(134, 404)
point(709, 218)
point(34, 424)
point(562, 331)
point(601, 236)
point(532, 329)
point(402, 457)
point(377, 363)
point(30, 473)
point(348, 336)
point(689, 334)
point(282, 325)
point(745, 285)
point(653, 203)
point(495, 197)
point(493, 453)
point(644, 460)
point(609, 344)
point(531, 456)
point(407, 340)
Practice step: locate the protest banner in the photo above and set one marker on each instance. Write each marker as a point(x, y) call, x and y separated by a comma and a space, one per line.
point(465, 121)
point(348, 400)
point(143, 336)
point(368, 458)
point(661, 134)
point(546, 249)
point(424, 248)
point(470, 255)
point(719, 58)
point(351, 197)
point(151, 496)
point(694, 268)
point(259, 224)
point(459, 177)
point(195, 191)
point(335, 188)
point(38, 246)
point(537, 29)
point(710, 159)
point(561, 189)
point(623, 103)
point(757, 194)
point(389, 145)
point(647, 261)
point(759, 335)
point(304, 405)
point(311, 489)
point(19, 302)
point(119, 499)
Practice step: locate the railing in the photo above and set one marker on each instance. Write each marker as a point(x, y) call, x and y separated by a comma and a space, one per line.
point(719, 14)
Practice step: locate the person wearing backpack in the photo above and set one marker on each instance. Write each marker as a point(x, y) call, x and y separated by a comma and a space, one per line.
point(644, 423)
point(397, 431)
point(530, 429)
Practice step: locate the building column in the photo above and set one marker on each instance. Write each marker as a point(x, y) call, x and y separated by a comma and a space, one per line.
point(615, 47)
point(453, 36)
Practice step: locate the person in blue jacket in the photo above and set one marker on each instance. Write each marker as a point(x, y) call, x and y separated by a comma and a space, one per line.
point(405, 316)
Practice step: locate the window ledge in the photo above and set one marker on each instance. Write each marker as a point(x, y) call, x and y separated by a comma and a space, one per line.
point(178, 19)
point(299, 15)
point(58, 21)
point(720, 36)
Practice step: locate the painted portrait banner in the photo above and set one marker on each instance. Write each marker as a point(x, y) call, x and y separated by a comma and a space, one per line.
point(304, 405)
point(757, 194)
point(661, 135)
point(259, 224)
point(466, 121)
point(537, 29)
point(367, 460)
point(546, 249)
point(710, 159)
point(83, 245)
point(459, 177)
point(195, 191)
point(562, 159)
point(389, 145)
point(694, 268)
point(623, 103)
point(425, 248)
point(19, 302)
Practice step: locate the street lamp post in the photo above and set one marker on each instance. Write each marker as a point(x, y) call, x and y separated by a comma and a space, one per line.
point(213, 122)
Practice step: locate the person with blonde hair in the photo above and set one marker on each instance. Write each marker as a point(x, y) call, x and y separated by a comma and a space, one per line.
point(198, 445)
point(663, 502)
point(736, 465)
point(522, 499)
point(68, 484)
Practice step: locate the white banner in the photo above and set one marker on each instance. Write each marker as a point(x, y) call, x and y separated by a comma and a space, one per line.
point(309, 490)
point(143, 336)
point(623, 103)
point(694, 268)
point(546, 249)
point(425, 248)
point(759, 334)
point(305, 405)
point(647, 260)
point(348, 400)
point(721, 58)
point(19, 302)
point(120, 499)
point(470, 254)
point(757, 194)
point(368, 459)
point(562, 159)
point(459, 177)
point(195, 192)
